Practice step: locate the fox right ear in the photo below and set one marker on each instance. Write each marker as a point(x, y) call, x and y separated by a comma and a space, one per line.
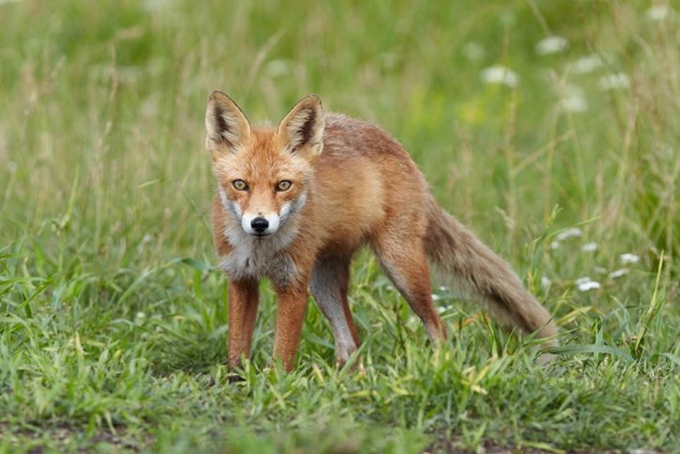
point(226, 125)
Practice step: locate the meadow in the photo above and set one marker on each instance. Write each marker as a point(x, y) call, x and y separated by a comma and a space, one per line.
point(549, 128)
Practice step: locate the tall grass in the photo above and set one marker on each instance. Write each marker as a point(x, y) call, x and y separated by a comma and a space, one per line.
point(112, 317)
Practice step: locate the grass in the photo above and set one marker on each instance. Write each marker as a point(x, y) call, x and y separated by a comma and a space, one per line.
point(113, 317)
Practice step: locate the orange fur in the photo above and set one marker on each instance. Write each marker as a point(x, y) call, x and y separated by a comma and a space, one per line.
point(295, 202)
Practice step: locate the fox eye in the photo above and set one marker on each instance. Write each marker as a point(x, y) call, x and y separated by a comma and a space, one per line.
point(239, 185)
point(283, 185)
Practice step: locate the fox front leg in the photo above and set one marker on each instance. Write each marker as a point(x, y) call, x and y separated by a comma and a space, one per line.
point(243, 301)
point(291, 307)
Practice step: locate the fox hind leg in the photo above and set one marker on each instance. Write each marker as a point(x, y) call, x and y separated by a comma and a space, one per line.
point(404, 261)
point(329, 283)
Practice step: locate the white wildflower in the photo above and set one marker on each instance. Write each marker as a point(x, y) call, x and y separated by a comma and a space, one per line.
point(585, 284)
point(278, 67)
point(443, 288)
point(614, 81)
point(589, 247)
point(574, 103)
point(618, 273)
point(473, 51)
point(500, 75)
point(586, 64)
point(554, 245)
point(600, 270)
point(574, 99)
point(628, 258)
point(551, 45)
point(545, 282)
point(569, 233)
point(442, 309)
point(436, 297)
point(658, 13)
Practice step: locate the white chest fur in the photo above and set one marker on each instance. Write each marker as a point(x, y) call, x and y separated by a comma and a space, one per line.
point(254, 258)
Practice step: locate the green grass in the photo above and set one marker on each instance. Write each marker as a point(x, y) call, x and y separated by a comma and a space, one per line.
point(113, 317)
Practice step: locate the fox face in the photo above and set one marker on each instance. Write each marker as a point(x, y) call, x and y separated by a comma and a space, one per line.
point(263, 173)
point(262, 187)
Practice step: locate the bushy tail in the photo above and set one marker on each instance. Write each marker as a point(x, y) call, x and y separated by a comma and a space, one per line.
point(482, 276)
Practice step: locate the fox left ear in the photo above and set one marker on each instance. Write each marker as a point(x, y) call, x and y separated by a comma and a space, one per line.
point(302, 129)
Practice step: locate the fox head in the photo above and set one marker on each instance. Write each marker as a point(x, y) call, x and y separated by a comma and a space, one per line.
point(263, 173)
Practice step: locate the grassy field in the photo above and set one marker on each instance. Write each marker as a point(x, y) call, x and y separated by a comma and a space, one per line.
point(550, 128)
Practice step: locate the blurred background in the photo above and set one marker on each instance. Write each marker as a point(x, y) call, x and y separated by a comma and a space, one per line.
point(511, 108)
point(527, 118)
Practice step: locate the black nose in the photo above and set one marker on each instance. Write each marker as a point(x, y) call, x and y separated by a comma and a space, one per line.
point(259, 224)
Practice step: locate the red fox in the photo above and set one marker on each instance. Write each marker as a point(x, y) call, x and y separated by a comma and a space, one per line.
point(296, 201)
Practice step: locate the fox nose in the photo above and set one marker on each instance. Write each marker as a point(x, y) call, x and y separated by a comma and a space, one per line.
point(259, 224)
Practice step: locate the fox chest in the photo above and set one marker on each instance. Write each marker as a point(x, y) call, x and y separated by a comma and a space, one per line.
point(251, 260)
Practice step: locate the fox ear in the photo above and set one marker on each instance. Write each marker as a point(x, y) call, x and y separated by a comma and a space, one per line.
point(225, 124)
point(302, 129)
